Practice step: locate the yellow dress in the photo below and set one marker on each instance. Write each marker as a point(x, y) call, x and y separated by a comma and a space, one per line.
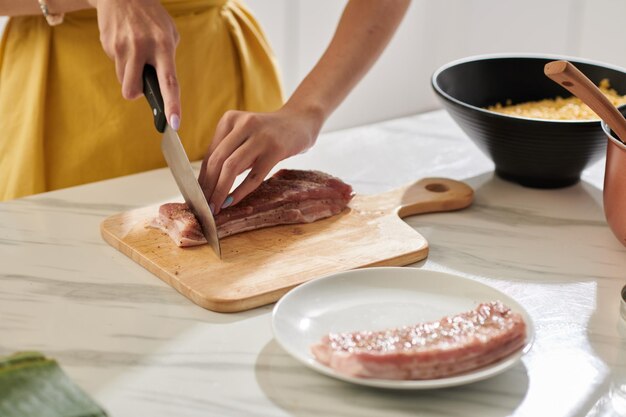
point(63, 120)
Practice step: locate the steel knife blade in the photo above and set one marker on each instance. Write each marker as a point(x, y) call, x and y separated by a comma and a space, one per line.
point(178, 162)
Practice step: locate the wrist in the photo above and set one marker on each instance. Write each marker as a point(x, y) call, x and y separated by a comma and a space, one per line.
point(312, 111)
point(53, 18)
point(67, 6)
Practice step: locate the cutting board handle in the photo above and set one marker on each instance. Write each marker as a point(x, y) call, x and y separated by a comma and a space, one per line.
point(427, 195)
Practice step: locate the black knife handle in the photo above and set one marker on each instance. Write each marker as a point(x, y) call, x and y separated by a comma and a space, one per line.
point(152, 92)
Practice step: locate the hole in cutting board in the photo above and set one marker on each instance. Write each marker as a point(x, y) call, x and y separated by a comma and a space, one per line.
point(437, 187)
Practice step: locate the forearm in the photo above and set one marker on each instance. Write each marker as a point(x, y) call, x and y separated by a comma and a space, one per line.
point(31, 7)
point(364, 31)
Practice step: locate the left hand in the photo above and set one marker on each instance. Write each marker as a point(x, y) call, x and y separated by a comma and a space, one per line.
point(255, 141)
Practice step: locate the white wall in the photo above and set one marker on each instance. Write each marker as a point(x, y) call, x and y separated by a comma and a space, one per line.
point(433, 33)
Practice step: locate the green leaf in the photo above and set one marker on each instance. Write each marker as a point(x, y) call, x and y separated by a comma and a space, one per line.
point(33, 385)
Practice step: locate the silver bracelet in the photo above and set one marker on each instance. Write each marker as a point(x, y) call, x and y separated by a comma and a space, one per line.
point(53, 19)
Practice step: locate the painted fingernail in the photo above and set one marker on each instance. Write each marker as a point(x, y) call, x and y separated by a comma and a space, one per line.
point(175, 121)
point(228, 202)
point(212, 208)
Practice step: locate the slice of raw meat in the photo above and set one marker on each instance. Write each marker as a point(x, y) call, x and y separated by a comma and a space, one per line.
point(438, 349)
point(289, 196)
point(180, 224)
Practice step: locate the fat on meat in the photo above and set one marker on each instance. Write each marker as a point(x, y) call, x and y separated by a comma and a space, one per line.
point(431, 350)
point(289, 196)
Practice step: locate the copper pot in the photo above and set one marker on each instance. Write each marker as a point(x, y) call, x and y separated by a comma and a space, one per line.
point(614, 194)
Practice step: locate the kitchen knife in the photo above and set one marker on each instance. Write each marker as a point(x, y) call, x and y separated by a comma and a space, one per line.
point(178, 162)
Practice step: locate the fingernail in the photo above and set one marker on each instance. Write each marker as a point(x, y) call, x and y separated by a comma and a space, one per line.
point(212, 208)
point(228, 202)
point(175, 121)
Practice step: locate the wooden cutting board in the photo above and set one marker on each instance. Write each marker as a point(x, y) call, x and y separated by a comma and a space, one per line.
point(258, 267)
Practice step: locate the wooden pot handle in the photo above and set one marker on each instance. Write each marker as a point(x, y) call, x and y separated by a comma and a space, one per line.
point(566, 74)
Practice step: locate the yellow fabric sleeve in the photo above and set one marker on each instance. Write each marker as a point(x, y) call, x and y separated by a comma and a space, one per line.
point(64, 121)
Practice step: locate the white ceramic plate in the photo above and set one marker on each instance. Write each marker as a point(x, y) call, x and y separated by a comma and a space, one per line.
point(379, 298)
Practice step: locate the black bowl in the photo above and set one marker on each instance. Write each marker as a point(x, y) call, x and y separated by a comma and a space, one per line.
point(531, 152)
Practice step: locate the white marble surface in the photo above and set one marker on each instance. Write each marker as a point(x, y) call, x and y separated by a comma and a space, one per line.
point(141, 349)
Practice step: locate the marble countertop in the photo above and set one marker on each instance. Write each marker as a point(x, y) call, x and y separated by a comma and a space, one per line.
point(142, 349)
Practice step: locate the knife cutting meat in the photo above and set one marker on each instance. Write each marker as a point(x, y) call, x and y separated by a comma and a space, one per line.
point(178, 162)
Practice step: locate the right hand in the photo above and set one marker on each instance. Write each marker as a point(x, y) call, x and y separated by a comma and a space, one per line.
point(138, 32)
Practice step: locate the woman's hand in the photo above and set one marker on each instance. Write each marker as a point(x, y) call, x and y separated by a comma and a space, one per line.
point(260, 140)
point(138, 32)
point(255, 141)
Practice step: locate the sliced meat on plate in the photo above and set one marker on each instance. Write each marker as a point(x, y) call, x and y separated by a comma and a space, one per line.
point(438, 349)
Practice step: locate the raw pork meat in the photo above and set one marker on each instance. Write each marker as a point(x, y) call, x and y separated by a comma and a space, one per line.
point(180, 224)
point(431, 350)
point(289, 196)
